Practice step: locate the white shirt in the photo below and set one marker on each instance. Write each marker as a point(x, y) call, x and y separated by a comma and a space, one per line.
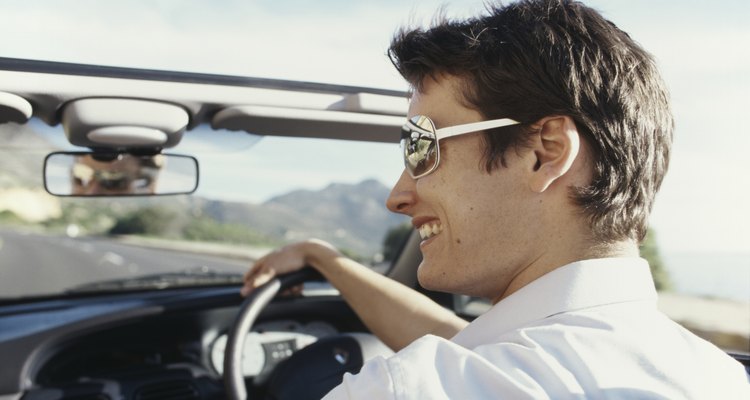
point(589, 329)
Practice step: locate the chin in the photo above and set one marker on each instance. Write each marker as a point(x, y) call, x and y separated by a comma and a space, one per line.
point(430, 278)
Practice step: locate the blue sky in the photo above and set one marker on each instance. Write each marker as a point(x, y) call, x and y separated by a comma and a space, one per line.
point(701, 47)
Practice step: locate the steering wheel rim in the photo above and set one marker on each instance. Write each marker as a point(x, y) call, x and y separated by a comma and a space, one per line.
point(234, 380)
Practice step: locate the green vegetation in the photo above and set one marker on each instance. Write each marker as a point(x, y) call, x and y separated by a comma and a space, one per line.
point(162, 222)
point(91, 220)
point(10, 218)
point(100, 217)
point(650, 251)
point(209, 230)
point(353, 255)
point(394, 240)
point(151, 221)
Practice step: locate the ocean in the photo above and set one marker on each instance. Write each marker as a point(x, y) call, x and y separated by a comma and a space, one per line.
point(716, 275)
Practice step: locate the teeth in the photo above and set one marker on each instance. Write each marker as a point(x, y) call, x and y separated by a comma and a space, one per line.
point(427, 231)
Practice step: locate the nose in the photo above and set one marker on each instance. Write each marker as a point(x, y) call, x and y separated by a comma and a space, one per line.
point(403, 195)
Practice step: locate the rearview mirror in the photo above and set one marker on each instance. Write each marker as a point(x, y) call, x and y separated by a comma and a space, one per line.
point(119, 174)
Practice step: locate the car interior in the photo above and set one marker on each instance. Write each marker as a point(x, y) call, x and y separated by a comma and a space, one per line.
point(121, 339)
point(176, 335)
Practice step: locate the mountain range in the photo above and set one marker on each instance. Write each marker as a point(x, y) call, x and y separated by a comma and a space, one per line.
point(352, 216)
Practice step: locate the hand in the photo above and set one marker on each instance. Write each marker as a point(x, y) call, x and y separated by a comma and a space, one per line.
point(284, 260)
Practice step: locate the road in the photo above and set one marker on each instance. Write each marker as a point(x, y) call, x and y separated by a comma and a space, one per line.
point(35, 264)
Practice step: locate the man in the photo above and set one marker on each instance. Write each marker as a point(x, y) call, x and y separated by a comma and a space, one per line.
point(538, 136)
point(120, 174)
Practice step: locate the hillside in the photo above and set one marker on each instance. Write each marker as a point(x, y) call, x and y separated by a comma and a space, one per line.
point(23, 154)
point(353, 216)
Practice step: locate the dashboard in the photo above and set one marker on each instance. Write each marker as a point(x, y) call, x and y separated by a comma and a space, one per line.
point(168, 344)
point(270, 343)
point(157, 345)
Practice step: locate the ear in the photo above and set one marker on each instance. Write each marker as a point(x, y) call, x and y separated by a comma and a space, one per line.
point(555, 149)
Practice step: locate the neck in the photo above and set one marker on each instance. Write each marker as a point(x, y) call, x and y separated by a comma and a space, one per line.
point(550, 260)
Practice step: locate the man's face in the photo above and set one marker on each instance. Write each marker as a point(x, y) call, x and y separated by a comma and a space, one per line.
point(116, 177)
point(485, 221)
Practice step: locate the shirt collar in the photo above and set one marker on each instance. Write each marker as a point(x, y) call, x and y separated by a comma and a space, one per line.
point(576, 286)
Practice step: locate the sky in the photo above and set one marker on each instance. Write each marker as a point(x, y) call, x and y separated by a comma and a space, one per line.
point(701, 48)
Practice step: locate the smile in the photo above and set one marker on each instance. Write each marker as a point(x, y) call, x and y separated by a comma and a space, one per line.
point(427, 231)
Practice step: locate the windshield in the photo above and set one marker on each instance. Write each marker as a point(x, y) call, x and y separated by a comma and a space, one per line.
point(256, 193)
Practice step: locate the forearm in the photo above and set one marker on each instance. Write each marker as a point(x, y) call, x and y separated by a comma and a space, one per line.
point(395, 313)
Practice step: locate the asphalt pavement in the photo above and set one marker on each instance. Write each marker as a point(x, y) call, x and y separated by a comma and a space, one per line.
point(33, 264)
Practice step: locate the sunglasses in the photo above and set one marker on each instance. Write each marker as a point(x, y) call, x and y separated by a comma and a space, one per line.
point(420, 141)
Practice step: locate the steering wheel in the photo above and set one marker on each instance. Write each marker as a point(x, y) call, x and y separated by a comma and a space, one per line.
point(234, 381)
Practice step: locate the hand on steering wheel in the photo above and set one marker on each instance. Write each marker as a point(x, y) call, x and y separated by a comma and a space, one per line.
point(281, 261)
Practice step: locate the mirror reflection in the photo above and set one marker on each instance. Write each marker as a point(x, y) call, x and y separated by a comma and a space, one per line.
point(119, 174)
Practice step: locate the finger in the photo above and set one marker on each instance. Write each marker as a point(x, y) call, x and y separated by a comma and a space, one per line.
point(294, 291)
point(262, 277)
point(247, 288)
point(257, 265)
point(255, 277)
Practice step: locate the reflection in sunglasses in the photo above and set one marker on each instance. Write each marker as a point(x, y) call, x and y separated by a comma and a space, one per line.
point(420, 141)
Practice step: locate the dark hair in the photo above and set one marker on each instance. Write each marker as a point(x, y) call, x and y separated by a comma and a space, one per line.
point(532, 59)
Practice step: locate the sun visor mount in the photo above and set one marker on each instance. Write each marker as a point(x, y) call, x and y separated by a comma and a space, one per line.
point(372, 104)
point(14, 108)
point(128, 136)
point(123, 123)
point(280, 121)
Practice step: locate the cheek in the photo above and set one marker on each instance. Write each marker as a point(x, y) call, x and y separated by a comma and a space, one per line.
point(484, 210)
point(471, 226)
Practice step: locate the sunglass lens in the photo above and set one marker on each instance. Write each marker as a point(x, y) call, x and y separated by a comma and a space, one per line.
point(419, 145)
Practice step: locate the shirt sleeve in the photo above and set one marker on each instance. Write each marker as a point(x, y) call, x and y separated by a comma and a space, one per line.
point(373, 381)
point(431, 368)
